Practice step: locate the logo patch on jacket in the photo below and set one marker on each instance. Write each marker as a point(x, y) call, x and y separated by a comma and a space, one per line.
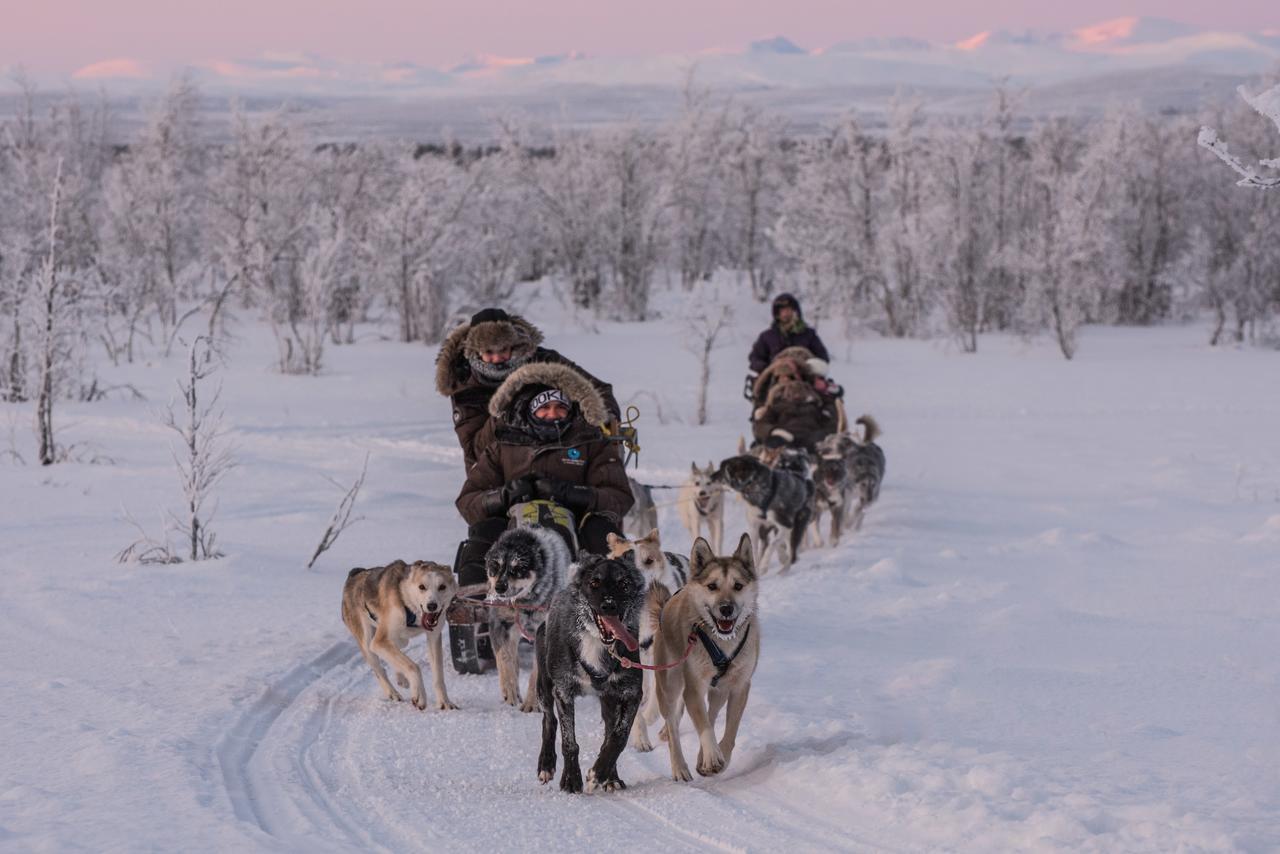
point(573, 457)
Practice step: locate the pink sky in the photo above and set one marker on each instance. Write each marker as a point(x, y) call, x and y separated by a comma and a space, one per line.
point(61, 36)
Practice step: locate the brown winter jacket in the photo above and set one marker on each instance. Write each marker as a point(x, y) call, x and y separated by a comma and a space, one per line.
point(583, 456)
point(795, 407)
point(470, 394)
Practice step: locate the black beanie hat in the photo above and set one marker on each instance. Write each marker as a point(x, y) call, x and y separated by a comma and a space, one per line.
point(489, 315)
point(782, 300)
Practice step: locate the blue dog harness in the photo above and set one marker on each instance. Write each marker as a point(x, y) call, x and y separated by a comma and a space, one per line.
point(718, 658)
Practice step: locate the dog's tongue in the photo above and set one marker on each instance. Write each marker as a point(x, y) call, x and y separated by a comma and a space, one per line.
point(620, 632)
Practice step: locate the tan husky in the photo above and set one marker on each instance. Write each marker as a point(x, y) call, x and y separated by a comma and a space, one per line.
point(385, 606)
point(701, 502)
point(716, 613)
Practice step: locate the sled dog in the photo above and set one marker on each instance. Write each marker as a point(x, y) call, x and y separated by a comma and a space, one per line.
point(701, 502)
point(716, 614)
point(526, 566)
point(591, 628)
point(778, 501)
point(384, 606)
point(664, 574)
point(643, 514)
point(833, 488)
point(866, 467)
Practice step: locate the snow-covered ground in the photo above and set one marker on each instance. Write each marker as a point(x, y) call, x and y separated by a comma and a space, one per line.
point(1057, 630)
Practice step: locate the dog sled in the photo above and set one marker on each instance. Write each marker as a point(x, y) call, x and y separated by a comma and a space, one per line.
point(470, 646)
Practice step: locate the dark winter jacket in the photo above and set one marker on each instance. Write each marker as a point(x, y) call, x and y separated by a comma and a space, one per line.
point(470, 394)
point(795, 407)
point(774, 340)
point(583, 456)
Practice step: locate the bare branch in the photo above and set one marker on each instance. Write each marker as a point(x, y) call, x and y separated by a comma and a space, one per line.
point(341, 518)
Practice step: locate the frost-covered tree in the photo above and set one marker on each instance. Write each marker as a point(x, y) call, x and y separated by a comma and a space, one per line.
point(903, 247)
point(960, 229)
point(754, 176)
point(830, 218)
point(1062, 254)
point(1266, 103)
point(415, 241)
point(153, 197)
point(568, 190)
point(695, 143)
point(633, 216)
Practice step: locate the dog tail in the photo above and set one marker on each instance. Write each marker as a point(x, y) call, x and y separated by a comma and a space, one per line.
point(870, 429)
point(658, 596)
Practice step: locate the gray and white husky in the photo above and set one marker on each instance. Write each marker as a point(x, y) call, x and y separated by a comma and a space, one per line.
point(526, 567)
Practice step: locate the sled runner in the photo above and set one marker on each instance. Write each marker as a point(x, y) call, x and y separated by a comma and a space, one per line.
point(469, 643)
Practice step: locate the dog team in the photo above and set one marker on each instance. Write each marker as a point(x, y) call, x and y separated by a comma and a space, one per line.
point(649, 633)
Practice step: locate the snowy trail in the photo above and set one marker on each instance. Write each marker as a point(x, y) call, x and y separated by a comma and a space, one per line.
point(318, 759)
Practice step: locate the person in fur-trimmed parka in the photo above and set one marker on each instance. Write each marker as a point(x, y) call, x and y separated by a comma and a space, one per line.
point(547, 443)
point(477, 357)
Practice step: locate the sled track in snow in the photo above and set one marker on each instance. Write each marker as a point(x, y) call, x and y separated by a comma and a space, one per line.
point(320, 759)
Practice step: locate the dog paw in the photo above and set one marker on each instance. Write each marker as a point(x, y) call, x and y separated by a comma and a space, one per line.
point(420, 702)
point(402, 680)
point(446, 705)
point(641, 743)
point(713, 764)
point(605, 783)
point(680, 773)
point(545, 777)
point(529, 705)
point(393, 695)
point(571, 781)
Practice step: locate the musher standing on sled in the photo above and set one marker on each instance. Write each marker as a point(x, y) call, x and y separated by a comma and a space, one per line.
point(788, 330)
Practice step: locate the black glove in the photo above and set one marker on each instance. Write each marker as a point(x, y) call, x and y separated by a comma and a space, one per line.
point(497, 501)
point(749, 386)
point(575, 496)
point(518, 489)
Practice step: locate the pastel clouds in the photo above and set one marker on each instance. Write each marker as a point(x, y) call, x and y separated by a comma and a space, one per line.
point(121, 68)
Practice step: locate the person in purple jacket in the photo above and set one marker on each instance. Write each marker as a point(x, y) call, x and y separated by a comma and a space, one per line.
point(788, 330)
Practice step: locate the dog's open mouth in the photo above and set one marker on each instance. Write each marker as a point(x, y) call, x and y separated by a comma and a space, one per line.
point(725, 627)
point(429, 619)
point(611, 629)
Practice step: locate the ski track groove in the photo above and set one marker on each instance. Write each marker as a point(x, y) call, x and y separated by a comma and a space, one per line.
point(236, 750)
point(281, 737)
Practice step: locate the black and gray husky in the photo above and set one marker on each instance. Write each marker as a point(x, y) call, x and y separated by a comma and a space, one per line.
point(778, 501)
point(592, 626)
point(526, 567)
point(864, 467)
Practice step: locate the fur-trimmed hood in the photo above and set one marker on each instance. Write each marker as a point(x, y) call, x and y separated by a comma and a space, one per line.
point(792, 359)
point(553, 375)
point(453, 370)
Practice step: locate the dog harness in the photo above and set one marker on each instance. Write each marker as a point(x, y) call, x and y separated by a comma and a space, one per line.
point(718, 658)
point(773, 491)
point(410, 618)
point(599, 679)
